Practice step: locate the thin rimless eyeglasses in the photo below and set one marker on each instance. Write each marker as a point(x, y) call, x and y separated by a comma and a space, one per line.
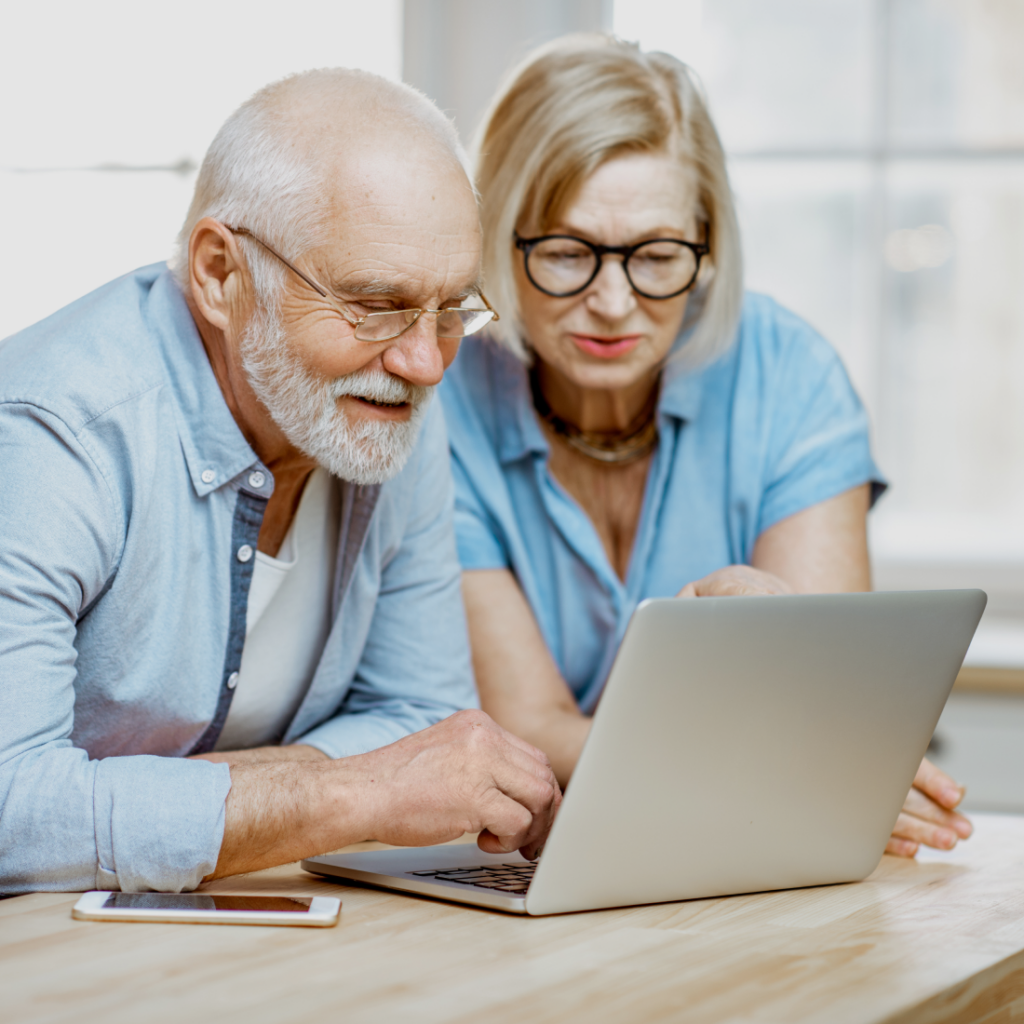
point(388, 325)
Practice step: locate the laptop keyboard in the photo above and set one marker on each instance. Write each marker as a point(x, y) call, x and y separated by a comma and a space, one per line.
point(509, 878)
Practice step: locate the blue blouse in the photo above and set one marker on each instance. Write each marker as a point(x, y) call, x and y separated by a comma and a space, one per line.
point(771, 427)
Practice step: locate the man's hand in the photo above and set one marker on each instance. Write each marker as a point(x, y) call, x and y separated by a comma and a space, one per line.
point(928, 816)
point(736, 581)
point(465, 774)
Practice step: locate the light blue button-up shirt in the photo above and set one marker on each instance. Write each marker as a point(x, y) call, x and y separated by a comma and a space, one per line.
point(127, 493)
point(768, 429)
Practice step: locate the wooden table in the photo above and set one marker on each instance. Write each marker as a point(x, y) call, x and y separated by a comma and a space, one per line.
point(976, 678)
point(941, 939)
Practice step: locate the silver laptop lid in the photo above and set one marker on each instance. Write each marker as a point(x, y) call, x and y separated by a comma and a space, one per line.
point(745, 744)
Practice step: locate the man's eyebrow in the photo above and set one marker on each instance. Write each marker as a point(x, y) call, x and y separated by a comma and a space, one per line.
point(374, 286)
point(370, 285)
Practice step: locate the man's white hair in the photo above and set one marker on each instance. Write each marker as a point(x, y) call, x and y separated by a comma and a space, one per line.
point(268, 167)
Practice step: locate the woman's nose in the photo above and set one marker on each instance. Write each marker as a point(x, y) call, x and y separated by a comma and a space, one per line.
point(611, 296)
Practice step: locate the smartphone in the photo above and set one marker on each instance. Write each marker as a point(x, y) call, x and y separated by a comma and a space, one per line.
point(203, 908)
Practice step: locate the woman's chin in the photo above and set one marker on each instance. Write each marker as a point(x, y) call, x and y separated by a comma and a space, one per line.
point(604, 374)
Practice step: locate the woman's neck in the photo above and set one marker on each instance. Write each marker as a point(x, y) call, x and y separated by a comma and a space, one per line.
point(594, 410)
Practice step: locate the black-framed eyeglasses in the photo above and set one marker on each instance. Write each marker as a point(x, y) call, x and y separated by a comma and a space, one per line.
point(564, 265)
point(385, 326)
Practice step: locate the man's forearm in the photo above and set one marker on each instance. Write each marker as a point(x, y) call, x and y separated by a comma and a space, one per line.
point(281, 812)
point(464, 774)
point(262, 755)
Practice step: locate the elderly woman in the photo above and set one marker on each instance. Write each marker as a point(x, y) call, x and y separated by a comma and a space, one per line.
point(638, 427)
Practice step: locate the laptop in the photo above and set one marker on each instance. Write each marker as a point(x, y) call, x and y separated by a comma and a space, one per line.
point(742, 744)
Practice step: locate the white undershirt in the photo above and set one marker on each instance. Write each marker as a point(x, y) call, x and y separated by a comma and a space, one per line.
point(287, 620)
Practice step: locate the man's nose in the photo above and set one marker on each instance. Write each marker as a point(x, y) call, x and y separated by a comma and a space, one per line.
point(415, 355)
point(611, 296)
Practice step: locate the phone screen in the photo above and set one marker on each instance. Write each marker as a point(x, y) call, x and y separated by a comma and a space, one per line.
point(201, 901)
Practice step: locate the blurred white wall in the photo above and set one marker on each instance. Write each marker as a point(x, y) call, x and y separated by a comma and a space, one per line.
point(457, 51)
point(87, 86)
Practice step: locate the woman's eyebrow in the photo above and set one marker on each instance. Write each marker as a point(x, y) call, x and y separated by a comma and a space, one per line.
point(658, 231)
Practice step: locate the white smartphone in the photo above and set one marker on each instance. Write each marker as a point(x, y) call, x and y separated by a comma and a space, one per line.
point(208, 908)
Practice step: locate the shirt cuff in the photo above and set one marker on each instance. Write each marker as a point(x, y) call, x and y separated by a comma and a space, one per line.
point(159, 822)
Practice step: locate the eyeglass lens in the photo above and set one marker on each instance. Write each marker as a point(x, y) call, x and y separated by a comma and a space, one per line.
point(451, 323)
point(563, 266)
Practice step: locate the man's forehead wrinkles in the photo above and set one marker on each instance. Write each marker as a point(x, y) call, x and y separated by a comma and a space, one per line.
point(408, 259)
point(405, 252)
point(386, 282)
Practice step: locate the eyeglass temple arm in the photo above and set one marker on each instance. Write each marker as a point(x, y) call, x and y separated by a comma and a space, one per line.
point(312, 284)
point(273, 252)
point(488, 305)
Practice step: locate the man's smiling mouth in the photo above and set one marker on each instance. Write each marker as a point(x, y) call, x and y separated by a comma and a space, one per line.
point(382, 405)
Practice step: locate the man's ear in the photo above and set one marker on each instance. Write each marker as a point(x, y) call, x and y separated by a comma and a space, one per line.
point(218, 279)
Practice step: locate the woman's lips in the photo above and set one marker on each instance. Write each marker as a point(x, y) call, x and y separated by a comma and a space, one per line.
point(606, 347)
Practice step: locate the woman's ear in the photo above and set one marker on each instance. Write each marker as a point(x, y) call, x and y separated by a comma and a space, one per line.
point(217, 277)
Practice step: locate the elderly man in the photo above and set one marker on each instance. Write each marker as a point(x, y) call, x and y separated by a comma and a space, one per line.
point(228, 584)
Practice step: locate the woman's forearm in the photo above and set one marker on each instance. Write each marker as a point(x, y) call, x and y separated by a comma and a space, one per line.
point(559, 732)
point(822, 549)
point(519, 682)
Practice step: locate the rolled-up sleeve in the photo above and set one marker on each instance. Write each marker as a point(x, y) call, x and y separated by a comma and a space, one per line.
point(69, 822)
point(415, 667)
point(817, 437)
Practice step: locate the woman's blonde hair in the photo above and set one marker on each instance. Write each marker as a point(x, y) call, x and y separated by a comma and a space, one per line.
point(568, 108)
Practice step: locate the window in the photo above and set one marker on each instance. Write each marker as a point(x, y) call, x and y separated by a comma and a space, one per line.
point(876, 148)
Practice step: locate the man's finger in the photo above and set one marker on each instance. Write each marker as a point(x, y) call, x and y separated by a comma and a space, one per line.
point(540, 796)
point(480, 720)
point(507, 824)
point(938, 785)
point(531, 849)
point(535, 792)
point(535, 752)
point(511, 760)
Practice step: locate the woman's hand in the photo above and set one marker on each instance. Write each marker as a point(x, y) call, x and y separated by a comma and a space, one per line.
point(928, 817)
point(736, 581)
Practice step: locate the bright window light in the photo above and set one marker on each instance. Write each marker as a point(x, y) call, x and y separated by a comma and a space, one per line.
point(670, 25)
point(143, 87)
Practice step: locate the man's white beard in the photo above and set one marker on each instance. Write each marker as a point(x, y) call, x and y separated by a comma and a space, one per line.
point(305, 406)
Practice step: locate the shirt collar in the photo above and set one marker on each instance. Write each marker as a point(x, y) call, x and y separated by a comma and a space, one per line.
point(519, 432)
point(681, 387)
point(215, 449)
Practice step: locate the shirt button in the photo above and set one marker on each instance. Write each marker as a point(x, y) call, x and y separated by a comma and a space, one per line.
point(232, 680)
point(208, 476)
point(257, 479)
point(244, 553)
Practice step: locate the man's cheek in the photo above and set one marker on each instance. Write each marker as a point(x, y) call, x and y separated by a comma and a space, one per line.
point(324, 350)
